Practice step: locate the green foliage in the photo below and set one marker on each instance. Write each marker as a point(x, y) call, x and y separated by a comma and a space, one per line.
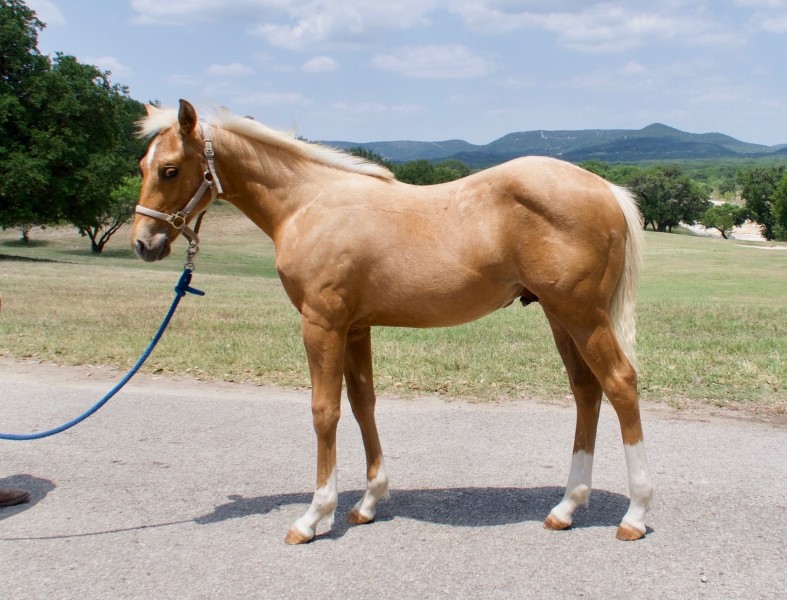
point(21, 66)
point(66, 132)
point(423, 172)
point(780, 209)
point(759, 192)
point(111, 214)
point(724, 217)
point(667, 197)
point(727, 186)
point(616, 173)
point(371, 156)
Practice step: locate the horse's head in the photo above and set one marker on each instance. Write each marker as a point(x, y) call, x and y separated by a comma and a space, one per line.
point(176, 171)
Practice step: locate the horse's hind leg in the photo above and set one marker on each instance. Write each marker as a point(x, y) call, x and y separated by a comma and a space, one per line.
point(587, 394)
point(360, 390)
point(598, 346)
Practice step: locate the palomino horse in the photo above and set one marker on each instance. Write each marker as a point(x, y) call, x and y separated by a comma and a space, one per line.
point(355, 248)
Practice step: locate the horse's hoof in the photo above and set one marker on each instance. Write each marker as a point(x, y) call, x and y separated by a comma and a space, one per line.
point(627, 533)
point(296, 537)
point(356, 518)
point(555, 524)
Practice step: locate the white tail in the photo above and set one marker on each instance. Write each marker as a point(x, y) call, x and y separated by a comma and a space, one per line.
point(622, 309)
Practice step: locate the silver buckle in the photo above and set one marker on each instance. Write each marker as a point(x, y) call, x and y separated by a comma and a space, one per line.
point(178, 220)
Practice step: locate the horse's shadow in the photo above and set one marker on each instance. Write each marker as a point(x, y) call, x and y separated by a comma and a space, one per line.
point(456, 507)
point(37, 486)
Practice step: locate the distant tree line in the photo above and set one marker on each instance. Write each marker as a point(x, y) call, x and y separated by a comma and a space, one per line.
point(417, 172)
point(668, 196)
point(68, 151)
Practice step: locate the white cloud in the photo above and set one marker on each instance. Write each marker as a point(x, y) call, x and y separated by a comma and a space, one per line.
point(773, 23)
point(47, 12)
point(716, 97)
point(320, 64)
point(187, 12)
point(181, 79)
point(108, 63)
point(764, 3)
point(229, 70)
point(375, 108)
point(632, 68)
point(598, 26)
point(433, 62)
point(517, 82)
point(588, 26)
point(273, 99)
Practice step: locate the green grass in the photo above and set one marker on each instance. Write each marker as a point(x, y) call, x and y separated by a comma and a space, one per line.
point(712, 321)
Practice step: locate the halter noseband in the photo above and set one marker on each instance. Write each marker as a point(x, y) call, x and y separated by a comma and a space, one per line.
point(178, 219)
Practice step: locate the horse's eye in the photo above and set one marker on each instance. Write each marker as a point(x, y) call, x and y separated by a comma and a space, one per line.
point(169, 172)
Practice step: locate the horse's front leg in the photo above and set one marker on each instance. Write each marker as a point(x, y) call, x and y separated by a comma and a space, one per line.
point(325, 351)
point(360, 390)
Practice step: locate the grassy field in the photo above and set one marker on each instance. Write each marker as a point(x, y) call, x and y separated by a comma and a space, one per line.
point(712, 321)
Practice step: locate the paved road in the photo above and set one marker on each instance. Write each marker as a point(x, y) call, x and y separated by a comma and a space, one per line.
point(182, 489)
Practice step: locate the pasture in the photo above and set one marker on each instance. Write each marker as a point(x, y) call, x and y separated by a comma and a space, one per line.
point(712, 321)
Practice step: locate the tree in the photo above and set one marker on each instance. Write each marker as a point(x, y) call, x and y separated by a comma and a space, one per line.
point(619, 173)
point(67, 131)
point(85, 133)
point(668, 197)
point(371, 156)
point(723, 217)
point(728, 187)
point(114, 212)
point(21, 70)
point(758, 189)
point(422, 172)
point(780, 210)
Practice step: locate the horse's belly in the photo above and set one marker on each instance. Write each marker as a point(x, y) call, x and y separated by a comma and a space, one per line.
point(432, 307)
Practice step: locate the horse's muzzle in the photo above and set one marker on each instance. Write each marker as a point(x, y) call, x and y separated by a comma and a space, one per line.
point(152, 249)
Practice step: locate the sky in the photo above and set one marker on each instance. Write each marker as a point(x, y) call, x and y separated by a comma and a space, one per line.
point(432, 70)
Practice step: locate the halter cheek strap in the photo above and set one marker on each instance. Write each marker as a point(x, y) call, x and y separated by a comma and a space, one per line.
point(210, 180)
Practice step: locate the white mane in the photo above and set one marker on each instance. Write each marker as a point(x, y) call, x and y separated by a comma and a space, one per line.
point(160, 119)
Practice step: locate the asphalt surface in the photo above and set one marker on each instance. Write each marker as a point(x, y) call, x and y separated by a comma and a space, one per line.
point(185, 489)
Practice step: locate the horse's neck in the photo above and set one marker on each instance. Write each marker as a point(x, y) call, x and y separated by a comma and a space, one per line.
point(262, 184)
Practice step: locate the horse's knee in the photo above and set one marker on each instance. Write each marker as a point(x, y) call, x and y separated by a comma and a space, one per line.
point(325, 418)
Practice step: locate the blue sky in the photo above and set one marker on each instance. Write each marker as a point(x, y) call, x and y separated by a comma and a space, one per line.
point(369, 70)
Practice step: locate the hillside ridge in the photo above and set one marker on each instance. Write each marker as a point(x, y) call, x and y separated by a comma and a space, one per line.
point(656, 141)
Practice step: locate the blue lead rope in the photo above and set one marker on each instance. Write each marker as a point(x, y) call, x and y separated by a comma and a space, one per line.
point(181, 290)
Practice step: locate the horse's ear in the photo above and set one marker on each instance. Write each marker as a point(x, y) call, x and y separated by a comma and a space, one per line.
point(187, 117)
point(150, 109)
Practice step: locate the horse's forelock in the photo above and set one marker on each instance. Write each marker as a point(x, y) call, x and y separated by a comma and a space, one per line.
point(156, 121)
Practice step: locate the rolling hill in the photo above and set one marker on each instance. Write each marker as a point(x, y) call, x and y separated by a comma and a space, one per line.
point(654, 142)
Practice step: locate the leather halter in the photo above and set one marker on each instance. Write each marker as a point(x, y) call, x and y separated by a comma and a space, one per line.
point(178, 219)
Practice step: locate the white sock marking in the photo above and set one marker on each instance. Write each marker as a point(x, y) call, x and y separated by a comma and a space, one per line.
point(323, 505)
point(578, 487)
point(376, 489)
point(640, 485)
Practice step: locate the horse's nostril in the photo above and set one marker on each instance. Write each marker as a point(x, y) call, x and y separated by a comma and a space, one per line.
point(140, 247)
